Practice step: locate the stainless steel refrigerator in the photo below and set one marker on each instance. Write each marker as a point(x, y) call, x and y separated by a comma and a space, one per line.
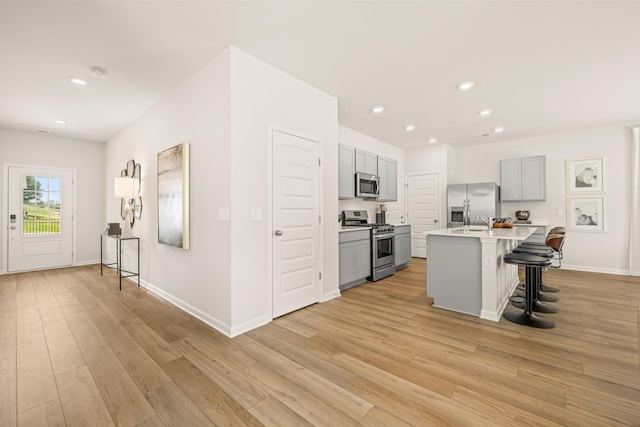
point(465, 202)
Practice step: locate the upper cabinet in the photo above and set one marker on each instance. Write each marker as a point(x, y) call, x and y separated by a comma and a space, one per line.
point(352, 160)
point(346, 172)
point(522, 179)
point(388, 173)
point(366, 162)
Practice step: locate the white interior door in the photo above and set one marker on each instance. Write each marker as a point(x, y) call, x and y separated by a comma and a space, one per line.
point(296, 228)
point(40, 218)
point(422, 210)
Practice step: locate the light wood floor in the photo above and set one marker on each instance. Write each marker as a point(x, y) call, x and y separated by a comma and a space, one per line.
point(76, 351)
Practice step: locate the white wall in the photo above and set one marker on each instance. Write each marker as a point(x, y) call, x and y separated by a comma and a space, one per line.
point(87, 158)
point(359, 140)
point(224, 111)
point(603, 252)
point(198, 113)
point(264, 96)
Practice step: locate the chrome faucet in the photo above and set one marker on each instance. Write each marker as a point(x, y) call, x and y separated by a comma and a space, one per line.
point(487, 220)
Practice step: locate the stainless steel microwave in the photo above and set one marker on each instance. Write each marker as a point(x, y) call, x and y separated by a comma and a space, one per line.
point(367, 185)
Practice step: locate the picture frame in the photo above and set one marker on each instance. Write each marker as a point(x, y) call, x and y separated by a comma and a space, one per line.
point(173, 196)
point(585, 175)
point(586, 213)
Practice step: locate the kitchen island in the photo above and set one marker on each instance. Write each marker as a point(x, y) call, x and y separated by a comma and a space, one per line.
point(466, 271)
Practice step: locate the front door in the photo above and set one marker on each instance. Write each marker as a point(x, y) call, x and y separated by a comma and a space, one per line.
point(422, 210)
point(296, 227)
point(40, 218)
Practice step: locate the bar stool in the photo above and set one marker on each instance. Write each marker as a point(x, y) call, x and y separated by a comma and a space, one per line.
point(531, 263)
point(539, 296)
point(554, 242)
point(554, 239)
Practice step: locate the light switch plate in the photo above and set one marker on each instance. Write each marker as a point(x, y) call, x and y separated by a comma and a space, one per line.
point(256, 214)
point(223, 214)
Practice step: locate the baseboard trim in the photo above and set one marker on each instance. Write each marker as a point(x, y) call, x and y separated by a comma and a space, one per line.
point(596, 270)
point(88, 262)
point(216, 324)
point(330, 295)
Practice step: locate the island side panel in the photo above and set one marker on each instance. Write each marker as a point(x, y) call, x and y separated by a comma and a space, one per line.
point(454, 273)
point(499, 278)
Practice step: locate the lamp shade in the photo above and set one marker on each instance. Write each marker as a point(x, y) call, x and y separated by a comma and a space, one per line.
point(125, 188)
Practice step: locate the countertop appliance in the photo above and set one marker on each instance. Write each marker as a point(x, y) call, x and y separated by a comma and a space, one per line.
point(522, 215)
point(367, 185)
point(466, 202)
point(382, 243)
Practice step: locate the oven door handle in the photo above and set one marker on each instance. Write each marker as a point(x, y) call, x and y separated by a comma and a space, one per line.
point(383, 236)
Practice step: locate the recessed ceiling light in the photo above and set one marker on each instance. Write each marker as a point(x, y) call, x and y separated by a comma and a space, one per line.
point(60, 122)
point(466, 85)
point(499, 129)
point(486, 112)
point(410, 128)
point(433, 140)
point(78, 81)
point(378, 109)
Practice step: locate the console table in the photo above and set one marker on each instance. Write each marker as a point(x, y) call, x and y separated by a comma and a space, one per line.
point(118, 264)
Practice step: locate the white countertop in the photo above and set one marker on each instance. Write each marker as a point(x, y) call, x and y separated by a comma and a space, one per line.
point(341, 228)
point(534, 223)
point(515, 233)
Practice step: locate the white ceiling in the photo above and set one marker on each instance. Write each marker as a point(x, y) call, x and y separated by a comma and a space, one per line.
point(543, 67)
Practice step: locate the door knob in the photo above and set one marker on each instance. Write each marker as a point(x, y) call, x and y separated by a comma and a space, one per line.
point(278, 233)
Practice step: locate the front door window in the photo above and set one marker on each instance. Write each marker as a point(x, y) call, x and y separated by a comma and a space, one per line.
point(41, 206)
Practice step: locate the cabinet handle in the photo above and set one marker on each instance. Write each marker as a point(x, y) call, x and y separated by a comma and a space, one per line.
point(278, 233)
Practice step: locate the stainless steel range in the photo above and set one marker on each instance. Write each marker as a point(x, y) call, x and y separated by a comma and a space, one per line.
point(382, 243)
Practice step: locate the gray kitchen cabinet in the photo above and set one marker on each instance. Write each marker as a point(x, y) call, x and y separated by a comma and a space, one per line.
point(354, 257)
point(403, 245)
point(522, 179)
point(366, 162)
point(388, 174)
point(346, 172)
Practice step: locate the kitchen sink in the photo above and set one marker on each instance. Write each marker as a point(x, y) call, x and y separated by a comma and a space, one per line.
point(472, 229)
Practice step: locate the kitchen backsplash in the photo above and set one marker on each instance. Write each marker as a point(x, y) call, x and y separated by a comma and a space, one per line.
point(393, 212)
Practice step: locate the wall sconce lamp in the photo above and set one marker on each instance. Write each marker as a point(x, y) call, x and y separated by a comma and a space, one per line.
point(126, 188)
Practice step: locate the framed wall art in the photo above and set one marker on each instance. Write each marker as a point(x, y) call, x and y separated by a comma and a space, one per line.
point(585, 175)
point(173, 196)
point(586, 213)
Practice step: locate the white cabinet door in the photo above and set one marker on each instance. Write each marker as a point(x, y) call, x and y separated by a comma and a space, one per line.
point(395, 210)
point(533, 178)
point(522, 179)
point(366, 162)
point(510, 180)
point(346, 172)
point(387, 171)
